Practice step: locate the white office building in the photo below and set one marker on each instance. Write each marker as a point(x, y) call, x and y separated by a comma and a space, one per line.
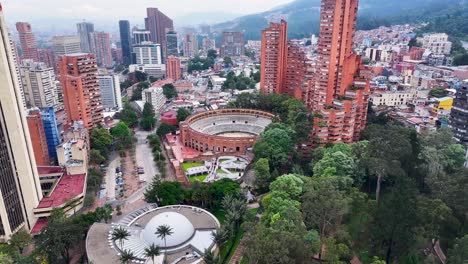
point(154, 96)
point(110, 91)
point(147, 53)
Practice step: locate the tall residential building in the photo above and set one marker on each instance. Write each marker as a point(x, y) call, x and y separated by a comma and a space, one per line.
point(190, 45)
point(101, 46)
point(459, 115)
point(16, 62)
point(40, 89)
point(27, 40)
point(20, 190)
point(110, 91)
point(85, 29)
point(296, 70)
point(437, 43)
point(338, 93)
point(47, 56)
point(81, 93)
point(232, 44)
point(158, 24)
point(65, 45)
point(140, 36)
point(273, 57)
point(173, 70)
point(208, 44)
point(147, 53)
point(125, 41)
point(51, 131)
point(38, 137)
point(172, 46)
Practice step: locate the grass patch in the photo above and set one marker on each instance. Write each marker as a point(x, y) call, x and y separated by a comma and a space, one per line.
point(220, 171)
point(200, 178)
point(189, 165)
point(230, 247)
point(244, 260)
point(222, 160)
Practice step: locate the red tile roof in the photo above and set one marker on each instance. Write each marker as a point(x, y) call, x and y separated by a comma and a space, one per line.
point(40, 224)
point(68, 187)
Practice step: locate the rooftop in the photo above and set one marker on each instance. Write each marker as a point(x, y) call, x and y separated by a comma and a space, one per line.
point(68, 187)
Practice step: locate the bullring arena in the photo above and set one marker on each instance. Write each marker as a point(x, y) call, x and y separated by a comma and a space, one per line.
point(225, 130)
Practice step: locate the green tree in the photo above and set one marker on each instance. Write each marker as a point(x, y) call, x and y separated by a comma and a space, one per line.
point(213, 54)
point(152, 251)
point(169, 91)
point(127, 257)
point(438, 92)
point(59, 237)
point(276, 145)
point(323, 205)
point(182, 114)
point(228, 62)
point(220, 236)
point(120, 234)
point(209, 257)
point(122, 134)
point(165, 129)
point(95, 157)
point(262, 174)
point(289, 184)
point(141, 76)
point(128, 115)
point(458, 254)
point(100, 140)
point(20, 240)
point(148, 119)
point(165, 193)
point(164, 231)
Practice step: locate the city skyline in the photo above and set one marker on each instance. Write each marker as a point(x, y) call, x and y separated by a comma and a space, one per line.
point(99, 12)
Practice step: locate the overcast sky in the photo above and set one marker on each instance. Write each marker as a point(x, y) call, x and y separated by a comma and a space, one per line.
point(126, 9)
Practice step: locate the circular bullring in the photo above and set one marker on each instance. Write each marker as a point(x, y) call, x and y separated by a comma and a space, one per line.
point(225, 130)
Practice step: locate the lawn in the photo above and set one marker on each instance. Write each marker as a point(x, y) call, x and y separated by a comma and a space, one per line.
point(200, 178)
point(222, 160)
point(188, 165)
point(220, 171)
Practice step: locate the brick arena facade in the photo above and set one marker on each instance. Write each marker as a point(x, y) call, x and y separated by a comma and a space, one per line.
point(225, 130)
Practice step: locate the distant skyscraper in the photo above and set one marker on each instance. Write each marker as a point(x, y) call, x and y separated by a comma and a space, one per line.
point(173, 68)
point(125, 41)
point(190, 45)
point(273, 58)
point(147, 53)
point(100, 45)
point(39, 85)
point(38, 137)
point(110, 91)
point(232, 44)
point(16, 62)
point(158, 24)
point(140, 36)
point(84, 30)
point(208, 44)
point(81, 92)
point(64, 45)
point(172, 46)
point(27, 40)
point(205, 29)
point(51, 131)
point(20, 190)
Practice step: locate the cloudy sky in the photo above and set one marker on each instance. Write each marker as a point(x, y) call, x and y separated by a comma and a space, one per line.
point(101, 10)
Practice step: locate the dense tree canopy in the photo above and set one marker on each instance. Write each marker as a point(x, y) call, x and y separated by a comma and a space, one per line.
point(169, 91)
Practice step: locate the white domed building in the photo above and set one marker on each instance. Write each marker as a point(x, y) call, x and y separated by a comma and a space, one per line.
point(191, 229)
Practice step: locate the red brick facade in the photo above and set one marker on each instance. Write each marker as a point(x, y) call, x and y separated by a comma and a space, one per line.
point(173, 68)
point(38, 138)
point(81, 91)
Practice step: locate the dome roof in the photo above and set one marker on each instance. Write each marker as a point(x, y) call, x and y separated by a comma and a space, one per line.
point(181, 227)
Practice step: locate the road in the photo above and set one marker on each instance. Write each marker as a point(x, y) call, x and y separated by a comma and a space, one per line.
point(144, 157)
point(110, 175)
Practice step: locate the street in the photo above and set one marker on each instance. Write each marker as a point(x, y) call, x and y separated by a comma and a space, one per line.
point(110, 175)
point(144, 157)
